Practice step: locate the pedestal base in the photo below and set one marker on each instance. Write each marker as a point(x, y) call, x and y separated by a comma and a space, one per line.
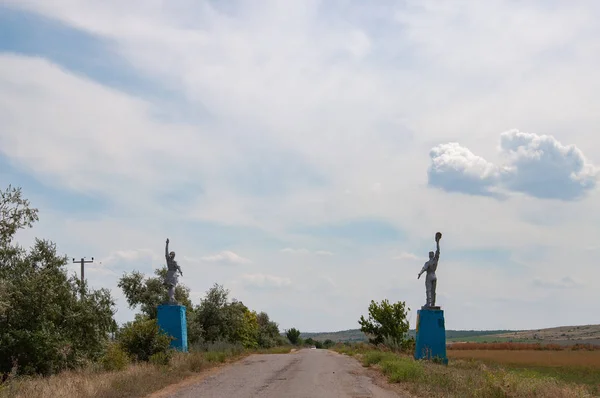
point(172, 320)
point(431, 335)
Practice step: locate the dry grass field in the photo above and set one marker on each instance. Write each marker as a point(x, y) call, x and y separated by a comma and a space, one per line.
point(490, 372)
point(522, 346)
point(548, 358)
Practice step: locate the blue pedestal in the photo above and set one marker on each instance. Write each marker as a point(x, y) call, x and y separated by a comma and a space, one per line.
point(431, 335)
point(171, 319)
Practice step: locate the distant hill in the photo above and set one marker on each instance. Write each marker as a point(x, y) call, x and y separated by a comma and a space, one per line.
point(585, 334)
point(353, 335)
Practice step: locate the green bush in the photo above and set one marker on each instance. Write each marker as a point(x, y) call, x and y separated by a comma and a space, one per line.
point(143, 338)
point(115, 358)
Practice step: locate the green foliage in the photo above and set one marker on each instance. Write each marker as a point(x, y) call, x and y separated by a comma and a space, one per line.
point(268, 332)
point(210, 314)
point(218, 319)
point(45, 325)
point(241, 324)
point(328, 343)
point(15, 214)
point(143, 338)
point(387, 324)
point(293, 335)
point(319, 344)
point(115, 358)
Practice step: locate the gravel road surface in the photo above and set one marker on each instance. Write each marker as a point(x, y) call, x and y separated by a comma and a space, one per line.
point(305, 373)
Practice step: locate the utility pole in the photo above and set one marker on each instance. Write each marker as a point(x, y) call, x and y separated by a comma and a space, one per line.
point(83, 261)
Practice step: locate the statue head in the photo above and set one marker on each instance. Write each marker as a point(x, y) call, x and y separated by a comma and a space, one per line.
point(172, 255)
point(431, 255)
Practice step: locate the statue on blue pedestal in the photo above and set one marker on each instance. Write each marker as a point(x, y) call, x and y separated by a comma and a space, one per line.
point(431, 328)
point(171, 316)
point(430, 267)
point(172, 269)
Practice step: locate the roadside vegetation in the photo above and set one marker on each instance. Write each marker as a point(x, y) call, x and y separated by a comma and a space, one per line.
point(474, 369)
point(59, 337)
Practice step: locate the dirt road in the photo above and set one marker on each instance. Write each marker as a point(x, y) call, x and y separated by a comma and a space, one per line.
point(302, 374)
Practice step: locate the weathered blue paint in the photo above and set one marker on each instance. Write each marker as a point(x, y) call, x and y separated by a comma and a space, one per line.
point(431, 335)
point(172, 320)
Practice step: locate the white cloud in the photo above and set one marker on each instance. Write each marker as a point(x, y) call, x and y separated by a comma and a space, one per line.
point(544, 168)
point(303, 251)
point(407, 256)
point(374, 89)
point(226, 257)
point(264, 281)
point(563, 283)
point(537, 165)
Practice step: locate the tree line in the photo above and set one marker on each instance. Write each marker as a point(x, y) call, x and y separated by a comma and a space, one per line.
point(50, 322)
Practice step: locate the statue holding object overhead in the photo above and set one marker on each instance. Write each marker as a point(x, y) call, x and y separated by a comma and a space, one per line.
point(430, 267)
point(172, 270)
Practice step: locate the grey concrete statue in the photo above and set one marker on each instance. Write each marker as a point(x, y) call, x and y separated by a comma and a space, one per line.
point(172, 269)
point(430, 267)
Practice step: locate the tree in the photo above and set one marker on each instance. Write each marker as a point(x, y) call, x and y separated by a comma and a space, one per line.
point(293, 335)
point(387, 324)
point(44, 324)
point(210, 314)
point(15, 214)
point(268, 332)
point(241, 325)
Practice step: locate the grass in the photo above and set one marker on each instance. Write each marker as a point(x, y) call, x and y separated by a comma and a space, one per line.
point(475, 378)
point(136, 380)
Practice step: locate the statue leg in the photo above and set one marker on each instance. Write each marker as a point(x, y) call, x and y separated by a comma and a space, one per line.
point(172, 294)
point(428, 291)
point(433, 286)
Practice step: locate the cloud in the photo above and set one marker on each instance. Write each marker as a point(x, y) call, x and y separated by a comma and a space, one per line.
point(290, 250)
point(456, 169)
point(265, 281)
point(536, 165)
point(540, 166)
point(175, 119)
point(226, 257)
point(406, 256)
point(563, 283)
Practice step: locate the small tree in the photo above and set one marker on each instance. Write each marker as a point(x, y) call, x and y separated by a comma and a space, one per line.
point(387, 324)
point(293, 335)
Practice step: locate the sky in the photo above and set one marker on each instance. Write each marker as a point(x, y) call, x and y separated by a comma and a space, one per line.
point(304, 153)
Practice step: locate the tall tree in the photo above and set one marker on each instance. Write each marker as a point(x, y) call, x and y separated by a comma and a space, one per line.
point(44, 325)
point(293, 335)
